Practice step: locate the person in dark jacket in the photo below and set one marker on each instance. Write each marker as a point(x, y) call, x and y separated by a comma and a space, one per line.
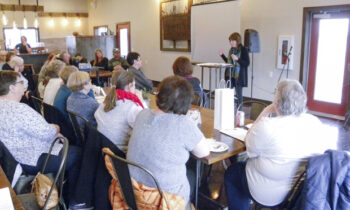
point(142, 83)
point(237, 56)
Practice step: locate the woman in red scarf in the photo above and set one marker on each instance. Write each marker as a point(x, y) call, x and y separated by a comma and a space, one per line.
point(116, 116)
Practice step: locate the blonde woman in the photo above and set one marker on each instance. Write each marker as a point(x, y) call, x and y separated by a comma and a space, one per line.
point(100, 60)
point(79, 102)
point(115, 118)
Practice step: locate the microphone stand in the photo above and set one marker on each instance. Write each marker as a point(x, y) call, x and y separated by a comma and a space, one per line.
point(284, 66)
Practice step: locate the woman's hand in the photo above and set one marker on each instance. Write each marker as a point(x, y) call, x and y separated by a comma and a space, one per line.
point(221, 52)
point(57, 128)
point(234, 57)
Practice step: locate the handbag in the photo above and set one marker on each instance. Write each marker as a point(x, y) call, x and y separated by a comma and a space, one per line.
point(41, 187)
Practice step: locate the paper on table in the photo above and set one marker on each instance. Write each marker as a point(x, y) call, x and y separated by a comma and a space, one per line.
point(237, 133)
point(5, 199)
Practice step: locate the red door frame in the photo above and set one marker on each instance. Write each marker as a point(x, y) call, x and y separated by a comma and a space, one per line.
point(122, 26)
point(319, 106)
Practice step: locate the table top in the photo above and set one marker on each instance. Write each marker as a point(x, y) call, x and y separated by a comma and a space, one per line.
point(214, 65)
point(5, 183)
point(102, 73)
point(207, 127)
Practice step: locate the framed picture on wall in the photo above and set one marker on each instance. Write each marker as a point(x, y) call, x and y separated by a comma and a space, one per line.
point(285, 52)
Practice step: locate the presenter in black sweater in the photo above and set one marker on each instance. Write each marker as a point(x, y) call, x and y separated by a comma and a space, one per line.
point(237, 56)
point(23, 47)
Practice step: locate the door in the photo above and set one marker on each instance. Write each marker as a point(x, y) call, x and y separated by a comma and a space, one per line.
point(123, 38)
point(328, 84)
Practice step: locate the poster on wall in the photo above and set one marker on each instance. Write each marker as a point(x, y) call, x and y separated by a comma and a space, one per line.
point(285, 52)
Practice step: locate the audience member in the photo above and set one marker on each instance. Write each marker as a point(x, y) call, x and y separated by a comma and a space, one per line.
point(117, 62)
point(165, 137)
point(79, 102)
point(78, 58)
point(3, 54)
point(278, 144)
point(182, 67)
point(135, 62)
point(54, 83)
point(43, 68)
point(27, 135)
point(116, 117)
point(54, 65)
point(6, 65)
point(100, 61)
point(64, 57)
point(17, 64)
point(64, 92)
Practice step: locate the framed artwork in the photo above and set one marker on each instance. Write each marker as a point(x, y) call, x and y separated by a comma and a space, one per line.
point(200, 2)
point(285, 52)
point(175, 25)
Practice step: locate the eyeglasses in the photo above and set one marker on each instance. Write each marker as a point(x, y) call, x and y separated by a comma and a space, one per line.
point(19, 82)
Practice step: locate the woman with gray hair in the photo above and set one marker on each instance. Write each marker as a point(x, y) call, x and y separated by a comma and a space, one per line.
point(278, 144)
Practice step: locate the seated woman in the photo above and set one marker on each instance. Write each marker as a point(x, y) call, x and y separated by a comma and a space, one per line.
point(64, 92)
point(116, 117)
point(79, 102)
point(27, 135)
point(54, 83)
point(282, 137)
point(6, 65)
point(182, 67)
point(162, 139)
point(100, 60)
point(55, 66)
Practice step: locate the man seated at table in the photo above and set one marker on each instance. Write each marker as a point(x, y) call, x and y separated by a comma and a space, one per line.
point(23, 47)
point(278, 145)
point(142, 83)
point(117, 62)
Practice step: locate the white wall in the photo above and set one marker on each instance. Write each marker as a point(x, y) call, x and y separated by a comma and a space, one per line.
point(272, 18)
point(269, 17)
point(144, 21)
point(46, 31)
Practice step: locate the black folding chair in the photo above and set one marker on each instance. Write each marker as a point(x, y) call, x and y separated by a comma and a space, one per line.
point(36, 103)
point(79, 133)
point(120, 167)
point(28, 200)
point(55, 116)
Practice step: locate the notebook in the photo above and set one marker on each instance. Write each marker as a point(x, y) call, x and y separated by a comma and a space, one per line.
point(237, 133)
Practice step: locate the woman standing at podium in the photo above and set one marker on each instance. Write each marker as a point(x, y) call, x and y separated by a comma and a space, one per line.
point(237, 56)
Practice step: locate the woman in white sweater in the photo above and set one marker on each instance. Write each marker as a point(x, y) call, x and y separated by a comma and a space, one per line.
point(116, 116)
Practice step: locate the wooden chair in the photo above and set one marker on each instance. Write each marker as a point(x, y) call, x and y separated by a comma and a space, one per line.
point(120, 167)
point(36, 103)
point(252, 108)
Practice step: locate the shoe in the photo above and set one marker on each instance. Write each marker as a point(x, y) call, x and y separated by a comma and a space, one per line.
point(80, 206)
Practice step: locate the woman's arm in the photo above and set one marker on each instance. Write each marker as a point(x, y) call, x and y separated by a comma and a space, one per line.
point(244, 59)
point(201, 149)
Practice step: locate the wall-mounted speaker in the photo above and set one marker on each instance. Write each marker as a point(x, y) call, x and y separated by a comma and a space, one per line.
point(251, 40)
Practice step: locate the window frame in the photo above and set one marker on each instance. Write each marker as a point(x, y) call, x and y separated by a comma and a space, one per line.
point(19, 28)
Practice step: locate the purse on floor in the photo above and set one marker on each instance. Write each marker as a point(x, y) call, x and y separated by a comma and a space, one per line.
point(41, 187)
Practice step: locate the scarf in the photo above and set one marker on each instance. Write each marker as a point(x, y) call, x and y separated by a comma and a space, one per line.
point(122, 95)
point(236, 65)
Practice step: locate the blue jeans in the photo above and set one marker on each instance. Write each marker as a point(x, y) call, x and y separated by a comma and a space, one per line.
point(72, 167)
point(236, 186)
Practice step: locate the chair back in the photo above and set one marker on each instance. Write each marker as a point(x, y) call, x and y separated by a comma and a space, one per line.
point(79, 133)
point(120, 167)
point(55, 116)
point(59, 178)
point(252, 108)
point(36, 103)
point(200, 99)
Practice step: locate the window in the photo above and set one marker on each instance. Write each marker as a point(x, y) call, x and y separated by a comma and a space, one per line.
point(100, 30)
point(13, 37)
